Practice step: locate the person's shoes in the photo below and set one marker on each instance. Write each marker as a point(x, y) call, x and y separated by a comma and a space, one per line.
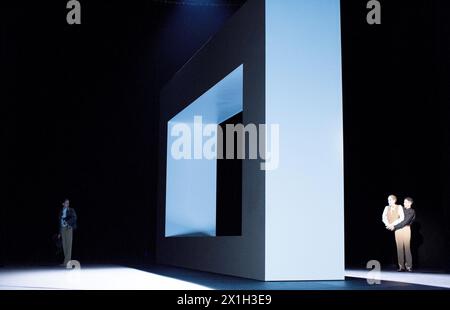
point(409, 269)
point(401, 269)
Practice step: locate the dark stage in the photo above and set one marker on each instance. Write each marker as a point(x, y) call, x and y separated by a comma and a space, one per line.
point(80, 119)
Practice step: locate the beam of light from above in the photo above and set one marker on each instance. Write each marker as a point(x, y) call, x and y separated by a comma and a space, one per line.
point(106, 278)
point(199, 2)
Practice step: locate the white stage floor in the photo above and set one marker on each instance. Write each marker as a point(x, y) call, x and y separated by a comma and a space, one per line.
point(420, 278)
point(102, 278)
point(168, 278)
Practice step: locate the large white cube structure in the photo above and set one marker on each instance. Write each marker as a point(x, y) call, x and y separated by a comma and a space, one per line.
point(278, 63)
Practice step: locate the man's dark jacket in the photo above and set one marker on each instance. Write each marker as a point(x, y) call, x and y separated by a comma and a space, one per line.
point(71, 217)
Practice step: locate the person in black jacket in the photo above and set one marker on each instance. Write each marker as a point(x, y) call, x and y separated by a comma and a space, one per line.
point(68, 222)
point(404, 229)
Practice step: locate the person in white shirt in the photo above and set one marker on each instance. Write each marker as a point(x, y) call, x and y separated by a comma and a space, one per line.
point(393, 215)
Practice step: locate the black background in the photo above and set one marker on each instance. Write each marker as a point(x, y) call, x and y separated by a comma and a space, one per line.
point(396, 125)
point(79, 109)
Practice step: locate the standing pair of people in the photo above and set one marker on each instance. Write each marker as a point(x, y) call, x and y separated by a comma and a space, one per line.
point(399, 219)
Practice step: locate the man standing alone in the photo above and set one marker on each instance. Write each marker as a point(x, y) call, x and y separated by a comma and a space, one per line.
point(68, 220)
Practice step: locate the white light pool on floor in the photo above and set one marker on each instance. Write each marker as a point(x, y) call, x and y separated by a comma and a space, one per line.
point(107, 278)
point(430, 279)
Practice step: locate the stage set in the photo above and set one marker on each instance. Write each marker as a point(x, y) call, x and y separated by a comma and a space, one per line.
point(273, 222)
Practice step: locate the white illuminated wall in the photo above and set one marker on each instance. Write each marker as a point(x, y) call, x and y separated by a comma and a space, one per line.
point(304, 196)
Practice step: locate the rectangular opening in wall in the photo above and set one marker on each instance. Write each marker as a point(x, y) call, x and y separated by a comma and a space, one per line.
point(229, 187)
point(191, 175)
